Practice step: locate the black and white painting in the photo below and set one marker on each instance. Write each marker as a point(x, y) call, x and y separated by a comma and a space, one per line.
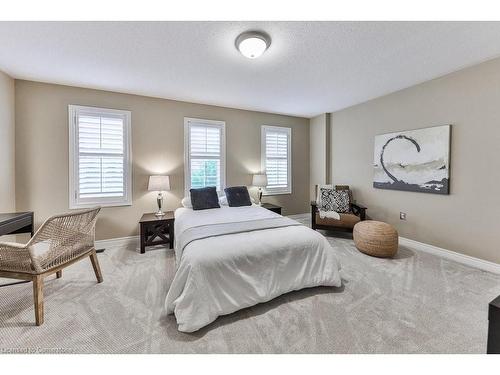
point(413, 160)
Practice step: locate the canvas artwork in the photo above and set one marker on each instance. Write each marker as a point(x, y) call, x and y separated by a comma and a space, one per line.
point(413, 160)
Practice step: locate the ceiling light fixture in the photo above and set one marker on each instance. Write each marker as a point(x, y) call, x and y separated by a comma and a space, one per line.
point(252, 44)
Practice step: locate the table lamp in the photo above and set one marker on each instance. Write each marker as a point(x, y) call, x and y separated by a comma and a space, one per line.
point(259, 180)
point(159, 184)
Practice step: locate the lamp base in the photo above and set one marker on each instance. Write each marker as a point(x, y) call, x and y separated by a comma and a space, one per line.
point(159, 202)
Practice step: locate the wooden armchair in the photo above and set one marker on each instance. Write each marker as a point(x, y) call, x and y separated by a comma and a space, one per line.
point(347, 221)
point(62, 240)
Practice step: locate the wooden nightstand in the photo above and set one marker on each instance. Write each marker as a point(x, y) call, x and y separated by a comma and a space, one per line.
point(272, 207)
point(153, 227)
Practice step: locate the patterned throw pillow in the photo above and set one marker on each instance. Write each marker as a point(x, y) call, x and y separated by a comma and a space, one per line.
point(335, 200)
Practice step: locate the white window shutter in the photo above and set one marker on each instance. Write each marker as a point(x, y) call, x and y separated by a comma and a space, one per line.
point(276, 159)
point(101, 167)
point(205, 153)
point(101, 157)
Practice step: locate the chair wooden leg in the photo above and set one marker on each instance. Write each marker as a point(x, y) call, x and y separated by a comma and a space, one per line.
point(38, 298)
point(59, 274)
point(95, 264)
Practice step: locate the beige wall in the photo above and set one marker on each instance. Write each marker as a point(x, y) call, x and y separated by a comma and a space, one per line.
point(319, 152)
point(7, 142)
point(466, 221)
point(157, 147)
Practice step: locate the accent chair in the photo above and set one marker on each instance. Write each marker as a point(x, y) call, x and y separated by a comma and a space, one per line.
point(61, 241)
point(347, 221)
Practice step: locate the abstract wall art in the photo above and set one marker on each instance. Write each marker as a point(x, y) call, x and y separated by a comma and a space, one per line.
point(413, 160)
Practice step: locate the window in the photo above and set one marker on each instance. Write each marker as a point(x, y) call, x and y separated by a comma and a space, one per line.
point(100, 160)
point(276, 159)
point(204, 153)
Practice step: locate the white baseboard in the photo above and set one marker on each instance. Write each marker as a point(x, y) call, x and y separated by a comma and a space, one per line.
point(132, 241)
point(451, 255)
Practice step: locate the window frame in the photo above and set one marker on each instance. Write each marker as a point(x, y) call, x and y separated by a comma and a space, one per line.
point(288, 131)
point(187, 151)
point(74, 201)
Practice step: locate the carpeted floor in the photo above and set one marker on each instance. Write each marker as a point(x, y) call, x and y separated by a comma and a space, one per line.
point(415, 303)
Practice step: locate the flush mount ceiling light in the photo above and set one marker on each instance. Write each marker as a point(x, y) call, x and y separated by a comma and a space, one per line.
point(252, 44)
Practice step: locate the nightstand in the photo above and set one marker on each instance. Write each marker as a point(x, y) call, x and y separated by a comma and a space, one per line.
point(153, 227)
point(272, 207)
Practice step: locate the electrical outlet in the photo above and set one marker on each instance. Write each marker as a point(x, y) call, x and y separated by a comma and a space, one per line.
point(402, 216)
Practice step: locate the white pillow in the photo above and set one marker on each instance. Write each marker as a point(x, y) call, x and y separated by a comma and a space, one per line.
point(186, 202)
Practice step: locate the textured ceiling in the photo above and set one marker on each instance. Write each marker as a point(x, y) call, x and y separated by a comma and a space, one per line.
point(310, 68)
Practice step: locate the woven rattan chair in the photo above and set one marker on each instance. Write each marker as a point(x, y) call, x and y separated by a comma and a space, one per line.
point(62, 240)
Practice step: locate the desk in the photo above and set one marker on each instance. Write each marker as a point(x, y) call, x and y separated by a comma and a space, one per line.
point(17, 222)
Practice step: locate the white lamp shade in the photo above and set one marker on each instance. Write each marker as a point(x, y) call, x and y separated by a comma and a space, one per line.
point(159, 183)
point(259, 180)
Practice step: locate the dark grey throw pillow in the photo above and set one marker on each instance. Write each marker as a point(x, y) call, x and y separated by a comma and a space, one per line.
point(237, 196)
point(204, 198)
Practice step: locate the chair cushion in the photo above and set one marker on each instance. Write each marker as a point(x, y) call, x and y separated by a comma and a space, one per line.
point(348, 220)
point(40, 248)
point(237, 196)
point(204, 198)
point(335, 200)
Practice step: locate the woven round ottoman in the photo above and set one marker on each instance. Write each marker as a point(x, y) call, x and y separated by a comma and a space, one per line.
point(376, 238)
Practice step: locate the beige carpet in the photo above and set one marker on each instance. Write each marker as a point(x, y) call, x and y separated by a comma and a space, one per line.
point(415, 303)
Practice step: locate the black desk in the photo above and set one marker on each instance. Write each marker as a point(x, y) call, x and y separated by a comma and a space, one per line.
point(17, 222)
point(494, 327)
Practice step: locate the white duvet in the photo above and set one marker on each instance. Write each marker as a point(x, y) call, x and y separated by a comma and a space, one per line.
point(222, 274)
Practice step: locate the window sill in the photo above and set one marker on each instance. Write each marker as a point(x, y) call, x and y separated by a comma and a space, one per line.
point(266, 194)
point(74, 206)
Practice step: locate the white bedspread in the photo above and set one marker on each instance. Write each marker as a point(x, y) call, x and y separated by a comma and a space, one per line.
point(222, 274)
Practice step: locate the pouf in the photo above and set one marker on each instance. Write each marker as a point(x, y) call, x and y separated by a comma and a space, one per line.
point(376, 238)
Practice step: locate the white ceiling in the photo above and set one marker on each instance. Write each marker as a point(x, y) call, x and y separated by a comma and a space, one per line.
point(310, 68)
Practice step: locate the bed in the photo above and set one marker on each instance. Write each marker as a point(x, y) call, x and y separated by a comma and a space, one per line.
point(230, 258)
